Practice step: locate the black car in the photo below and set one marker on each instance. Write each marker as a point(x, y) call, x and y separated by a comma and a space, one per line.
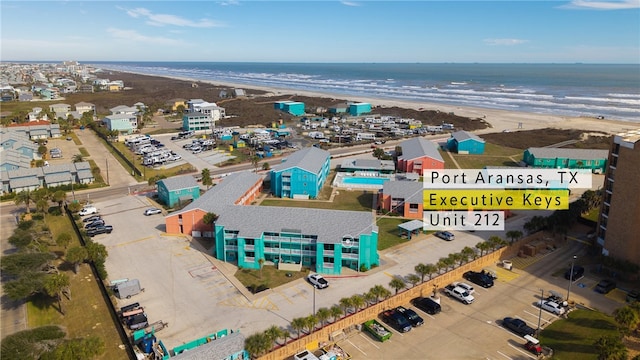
point(518, 326)
point(479, 278)
point(578, 272)
point(91, 219)
point(105, 229)
point(605, 286)
point(94, 224)
point(410, 315)
point(397, 320)
point(427, 305)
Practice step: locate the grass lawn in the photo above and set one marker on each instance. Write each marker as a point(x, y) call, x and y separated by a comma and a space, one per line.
point(83, 152)
point(388, 233)
point(344, 200)
point(86, 313)
point(573, 338)
point(494, 155)
point(268, 277)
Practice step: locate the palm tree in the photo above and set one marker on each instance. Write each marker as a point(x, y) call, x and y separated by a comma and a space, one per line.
point(261, 265)
point(482, 246)
point(455, 258)
point(76, 255)
point(298, 324)
point(274, 333)
point(627, 319)
point(258, 344)
point(494, 242)
point(468, 253)
point(346, 304)
point(380, 291)
point(54, 284)
point(397, 283)
point(77, 158)
point(206, 178)
point(59, 197)
point(442, 265)
point(514, 235)
point(611, 348)
point(310, 323)
point(323, 314)
point(357, 301)
point(336, 312)
point(24, 197)
point(255, 160)
point(369, 297)
point(413, 279)
point(421, 269)
point(42, 205)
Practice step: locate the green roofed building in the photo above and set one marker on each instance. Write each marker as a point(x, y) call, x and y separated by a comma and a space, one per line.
point(557, 158)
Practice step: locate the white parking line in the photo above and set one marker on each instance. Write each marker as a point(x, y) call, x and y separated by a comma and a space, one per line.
point(369, 341)
point(522, 351)
point(545, 311)
point(504, 355)
point(357, 348)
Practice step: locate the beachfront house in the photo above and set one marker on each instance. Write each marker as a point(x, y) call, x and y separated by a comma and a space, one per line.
point(60, 110)
point(288, 238)
point(302, 174)
point(124, 123)
point(357, 109)
point(557, 158)
point(173, 104)
point(178, 189)
point(197, 121)
point(295, 108)
point(463, 142)
point(418, 155)
point(338, 108)
point(83, 107)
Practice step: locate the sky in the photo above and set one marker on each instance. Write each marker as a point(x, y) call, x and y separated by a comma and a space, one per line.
point(509, 31)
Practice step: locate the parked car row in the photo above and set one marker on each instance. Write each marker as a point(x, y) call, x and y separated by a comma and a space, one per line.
point(95, 225)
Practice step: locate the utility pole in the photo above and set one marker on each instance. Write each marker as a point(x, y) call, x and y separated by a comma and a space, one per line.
point(540, 313)
point(571, 276)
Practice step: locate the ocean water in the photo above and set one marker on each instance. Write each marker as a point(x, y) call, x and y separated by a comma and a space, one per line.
point(611, 91)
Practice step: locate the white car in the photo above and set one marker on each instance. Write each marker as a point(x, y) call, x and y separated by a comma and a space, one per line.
point(152, 211)
point(551, 307)
point(88, 210)
point(465, 286)
point(318, 281)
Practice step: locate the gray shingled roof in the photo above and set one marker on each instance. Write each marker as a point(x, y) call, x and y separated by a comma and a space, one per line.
point(85, 174)
point(465, 135)
point(368, 164)
point(419, 147)
point(23, 182)
point(310, 159)
point(57, 178)
point(579, 154)
point(410, 191)
point(330, 225)
point(180, 182)
point(83, 165)
point(220, 348)
point(20, 173)
point(229, 190)
point(252, 221)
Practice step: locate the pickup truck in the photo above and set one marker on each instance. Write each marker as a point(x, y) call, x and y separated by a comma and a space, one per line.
point(397, 320)
point(458, 293)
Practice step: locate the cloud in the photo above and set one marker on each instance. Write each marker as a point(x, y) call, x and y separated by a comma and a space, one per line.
point(229, 2)
point(504, 42)
point(168, 19)
point(602, 5)
point(349, 3)
point(132, 35)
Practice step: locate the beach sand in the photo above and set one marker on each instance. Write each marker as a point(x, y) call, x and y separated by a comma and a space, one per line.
point(499, 120)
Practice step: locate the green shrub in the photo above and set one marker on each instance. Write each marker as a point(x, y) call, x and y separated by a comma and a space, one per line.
point(25, 225)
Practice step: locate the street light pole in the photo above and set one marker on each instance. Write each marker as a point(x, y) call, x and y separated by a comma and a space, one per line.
point(540, 312)
point(571, 276)
point(314, 301)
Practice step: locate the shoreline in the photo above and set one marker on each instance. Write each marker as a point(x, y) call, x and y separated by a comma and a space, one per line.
point(499, 120)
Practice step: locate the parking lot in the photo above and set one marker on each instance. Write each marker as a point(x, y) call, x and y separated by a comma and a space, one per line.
point(196, 294)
